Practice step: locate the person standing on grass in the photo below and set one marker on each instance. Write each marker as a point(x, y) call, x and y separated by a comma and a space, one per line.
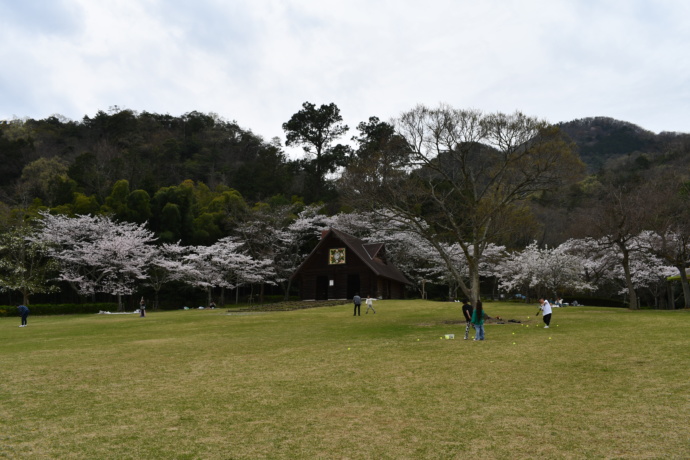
point(370, 304)
point(142, 308)
point(545, 308)
point(358, 303)
point(478, 316)
point(467, 313)
point(24, 312)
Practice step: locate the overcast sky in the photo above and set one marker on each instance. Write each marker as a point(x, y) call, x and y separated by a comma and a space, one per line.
point(257, 61)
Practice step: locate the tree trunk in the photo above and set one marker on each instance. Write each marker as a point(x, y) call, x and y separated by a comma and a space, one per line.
point(632, 295)
point(474, 282)
point(685, 285)
point(286, 288)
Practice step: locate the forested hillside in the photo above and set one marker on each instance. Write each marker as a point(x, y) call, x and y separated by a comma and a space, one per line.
point(602, 140)
point(53, 158)
point(203, 182)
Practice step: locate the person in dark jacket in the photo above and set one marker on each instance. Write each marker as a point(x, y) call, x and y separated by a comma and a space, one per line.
point(467, 311)
point(24, 312)
point(358, 302)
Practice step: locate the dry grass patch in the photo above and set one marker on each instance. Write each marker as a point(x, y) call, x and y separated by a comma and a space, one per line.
point(319, 383)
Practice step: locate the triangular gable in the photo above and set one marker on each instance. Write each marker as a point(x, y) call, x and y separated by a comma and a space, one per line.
point(373, 249)
point(364, 251)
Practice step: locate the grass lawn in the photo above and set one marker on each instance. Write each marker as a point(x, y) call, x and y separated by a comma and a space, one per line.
point(320, 383)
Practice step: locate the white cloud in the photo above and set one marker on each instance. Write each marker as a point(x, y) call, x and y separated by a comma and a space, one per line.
point(257, 61)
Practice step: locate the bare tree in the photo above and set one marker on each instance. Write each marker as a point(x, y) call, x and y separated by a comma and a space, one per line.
point(615, 216)
point(464, 178)
point(670, 224)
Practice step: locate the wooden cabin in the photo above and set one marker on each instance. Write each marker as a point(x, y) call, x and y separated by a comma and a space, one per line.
point(341, 266)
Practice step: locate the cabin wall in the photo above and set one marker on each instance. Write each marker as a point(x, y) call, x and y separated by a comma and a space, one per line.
point(319, 280)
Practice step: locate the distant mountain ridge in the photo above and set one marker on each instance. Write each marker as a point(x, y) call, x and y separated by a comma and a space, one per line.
point(601, 139)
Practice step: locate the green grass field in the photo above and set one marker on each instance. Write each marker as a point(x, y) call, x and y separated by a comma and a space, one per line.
point(320, 383)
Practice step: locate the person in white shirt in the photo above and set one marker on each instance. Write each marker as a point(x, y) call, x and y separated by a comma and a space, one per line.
point(545, 308)
point(370, 304)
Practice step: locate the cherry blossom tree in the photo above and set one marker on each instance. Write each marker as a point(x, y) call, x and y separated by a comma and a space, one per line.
point(674, 248)
point(542, 270)
point(197, 270)
point(234, 266)
point(98, 254)
point(415, 258)
point(648, 271)
point(223, 265)
point(283, 237)
point(165, 267)
point(605, 264)
point(598, 257)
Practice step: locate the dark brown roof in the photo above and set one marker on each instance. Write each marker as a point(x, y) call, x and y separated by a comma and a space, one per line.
point(367, 252)
point(373, 248)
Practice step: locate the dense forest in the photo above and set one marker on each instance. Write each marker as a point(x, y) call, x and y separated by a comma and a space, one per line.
point(197, 178)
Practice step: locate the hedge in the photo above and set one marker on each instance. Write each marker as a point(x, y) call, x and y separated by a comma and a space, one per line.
point(60, 309)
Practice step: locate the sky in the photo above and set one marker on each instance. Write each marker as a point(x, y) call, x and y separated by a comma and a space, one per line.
point(257, 61)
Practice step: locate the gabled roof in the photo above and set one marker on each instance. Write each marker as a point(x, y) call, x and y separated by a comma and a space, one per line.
point(367, 252)
point(373, 248)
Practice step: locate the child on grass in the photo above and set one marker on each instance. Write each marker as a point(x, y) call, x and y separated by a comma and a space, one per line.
point(370, 304)
point(478, 317)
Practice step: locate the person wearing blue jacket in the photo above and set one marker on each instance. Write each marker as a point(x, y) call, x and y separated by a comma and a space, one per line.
point(24, 312)
point(358, 302)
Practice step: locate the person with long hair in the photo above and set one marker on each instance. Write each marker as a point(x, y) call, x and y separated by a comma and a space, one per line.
point(478, 316)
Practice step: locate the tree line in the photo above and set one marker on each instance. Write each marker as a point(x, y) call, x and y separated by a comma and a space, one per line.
point(461, 181)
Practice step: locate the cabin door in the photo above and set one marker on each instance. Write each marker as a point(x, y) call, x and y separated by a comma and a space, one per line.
point(321, 288)
point(353, 285)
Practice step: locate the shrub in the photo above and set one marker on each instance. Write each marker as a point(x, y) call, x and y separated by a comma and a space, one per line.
point(61, 309)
